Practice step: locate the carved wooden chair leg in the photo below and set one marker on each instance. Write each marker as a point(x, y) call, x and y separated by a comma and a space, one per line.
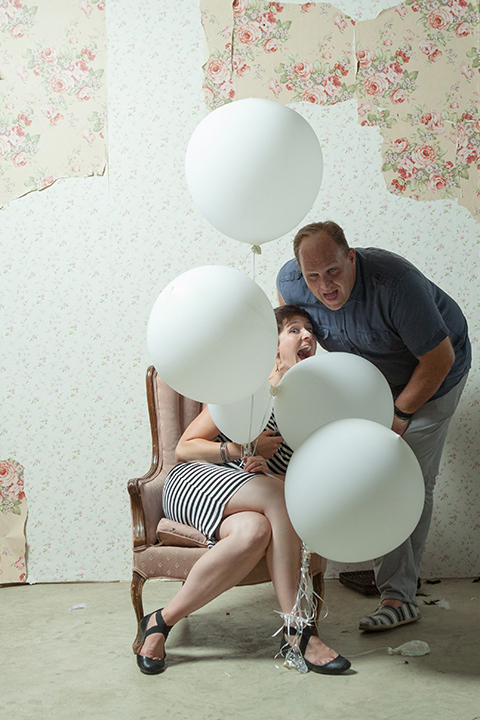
point(136, 594)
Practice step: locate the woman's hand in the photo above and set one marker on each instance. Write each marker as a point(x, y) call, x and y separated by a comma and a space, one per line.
point(268, 443)
point(255, 464)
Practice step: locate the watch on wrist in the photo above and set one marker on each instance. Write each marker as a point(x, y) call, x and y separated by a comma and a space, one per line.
point(401, 415)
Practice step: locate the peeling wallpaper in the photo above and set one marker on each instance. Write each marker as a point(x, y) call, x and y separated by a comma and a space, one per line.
point(13, 513)
point(84, 261)
point(53, 100)
point(414, 71)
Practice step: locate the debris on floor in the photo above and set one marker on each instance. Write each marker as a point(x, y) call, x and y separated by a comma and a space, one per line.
point(444, 604)
point(441, 603)
point(413, 648)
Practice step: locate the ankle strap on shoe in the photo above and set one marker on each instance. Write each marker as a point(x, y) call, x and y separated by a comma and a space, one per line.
point(307, 631)
point(305, 636)
point(161, 623)
point(160, 627)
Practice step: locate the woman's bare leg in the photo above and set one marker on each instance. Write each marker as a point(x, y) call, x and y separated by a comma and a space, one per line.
point(243, 540)
point(218, 570)
point(266, 495)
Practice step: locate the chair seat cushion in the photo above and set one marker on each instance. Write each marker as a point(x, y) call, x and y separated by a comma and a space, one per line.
point(170, 532)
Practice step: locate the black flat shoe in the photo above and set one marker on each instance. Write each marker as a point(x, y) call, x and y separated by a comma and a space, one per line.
point(335, 667)
point(147, 665)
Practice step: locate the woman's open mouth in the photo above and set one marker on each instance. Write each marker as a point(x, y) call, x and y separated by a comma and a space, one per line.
point(304, 352)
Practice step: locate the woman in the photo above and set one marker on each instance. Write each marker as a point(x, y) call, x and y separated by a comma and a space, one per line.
point(238, 503)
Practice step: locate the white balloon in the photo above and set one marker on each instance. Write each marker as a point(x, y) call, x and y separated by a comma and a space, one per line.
point(354, 490)
point(254, 169)
point(212, 335)
point(244, 420)
point(329, 387)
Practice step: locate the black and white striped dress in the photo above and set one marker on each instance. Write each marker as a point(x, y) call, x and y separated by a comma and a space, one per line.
point(196, 493)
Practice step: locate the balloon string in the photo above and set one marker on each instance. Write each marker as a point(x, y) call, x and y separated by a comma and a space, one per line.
point(255, 250)
point(251, 447)
point(304, 613)
point(252, 401)
point(245, 258)
point(265, 418)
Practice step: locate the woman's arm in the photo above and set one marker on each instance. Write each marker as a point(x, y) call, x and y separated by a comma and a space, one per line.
point(196, 443)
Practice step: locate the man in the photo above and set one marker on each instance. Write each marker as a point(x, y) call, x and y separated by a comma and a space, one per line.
point(373, 303)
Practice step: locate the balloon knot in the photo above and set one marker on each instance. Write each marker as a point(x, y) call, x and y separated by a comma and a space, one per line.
point(273, 390)
point(256, 250)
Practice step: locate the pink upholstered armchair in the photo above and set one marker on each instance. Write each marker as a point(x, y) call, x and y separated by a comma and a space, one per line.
point(162, 548)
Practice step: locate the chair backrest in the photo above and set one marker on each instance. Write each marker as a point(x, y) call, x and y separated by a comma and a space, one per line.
point(170, 414)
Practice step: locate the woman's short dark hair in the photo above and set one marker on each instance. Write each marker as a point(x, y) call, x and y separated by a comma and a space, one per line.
point(284, 313)
point(329, 227)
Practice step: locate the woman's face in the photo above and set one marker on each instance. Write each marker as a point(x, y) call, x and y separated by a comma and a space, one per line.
point(296, 341)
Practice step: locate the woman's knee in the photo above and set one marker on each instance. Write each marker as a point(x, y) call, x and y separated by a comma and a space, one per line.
point(251, 530)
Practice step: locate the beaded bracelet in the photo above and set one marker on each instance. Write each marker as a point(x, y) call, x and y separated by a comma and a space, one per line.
point(223, 453)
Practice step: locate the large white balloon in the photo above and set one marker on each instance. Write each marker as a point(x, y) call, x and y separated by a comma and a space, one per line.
point(244, 420)
point(254, 169)
point(354, 490)
point(212, 335)
point(329, 387)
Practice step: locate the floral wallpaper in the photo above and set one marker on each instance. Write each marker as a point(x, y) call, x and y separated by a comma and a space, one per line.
point(53, 105)
point(419, 80)
point(278, 51)
point(414, 71)
point(84, 261)
point(13, 513)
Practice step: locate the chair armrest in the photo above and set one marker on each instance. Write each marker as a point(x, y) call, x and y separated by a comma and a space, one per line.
point(134, 485)
point(138, 517)
point(169, 413)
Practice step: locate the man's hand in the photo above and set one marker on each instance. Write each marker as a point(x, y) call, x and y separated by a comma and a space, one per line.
point(431, 371)
point(399, 426)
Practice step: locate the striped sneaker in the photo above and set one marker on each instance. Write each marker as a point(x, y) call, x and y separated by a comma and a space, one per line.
point(387, 618)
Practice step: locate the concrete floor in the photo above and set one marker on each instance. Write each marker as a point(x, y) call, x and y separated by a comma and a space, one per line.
point(56, 662)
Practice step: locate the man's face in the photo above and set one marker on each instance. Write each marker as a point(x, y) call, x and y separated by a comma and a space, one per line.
point(329, 273)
